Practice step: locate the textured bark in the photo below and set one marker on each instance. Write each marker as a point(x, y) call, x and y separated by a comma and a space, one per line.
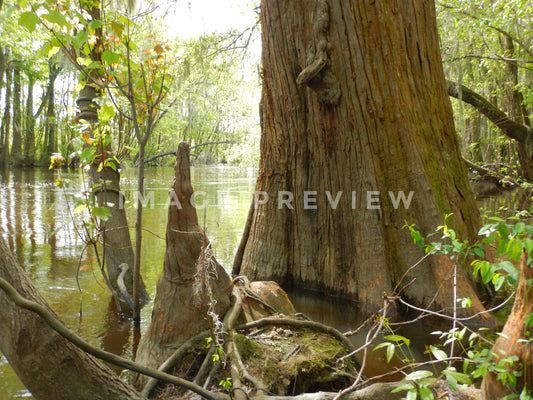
point(47, 364)
point(106, 189)
point(391, 129)
point(515, 339)
point(178, 313)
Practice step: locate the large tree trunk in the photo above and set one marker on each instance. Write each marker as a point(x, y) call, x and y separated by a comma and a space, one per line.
point(181, 304)
point(515, 339)
point(356, 105)
point(47, 364)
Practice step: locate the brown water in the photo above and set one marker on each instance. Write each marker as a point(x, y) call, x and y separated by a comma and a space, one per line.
point(35, 221)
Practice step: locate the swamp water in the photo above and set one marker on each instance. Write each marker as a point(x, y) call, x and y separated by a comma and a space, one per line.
point(35, 220)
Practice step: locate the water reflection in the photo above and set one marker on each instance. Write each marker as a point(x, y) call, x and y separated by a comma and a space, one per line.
point(36, 221)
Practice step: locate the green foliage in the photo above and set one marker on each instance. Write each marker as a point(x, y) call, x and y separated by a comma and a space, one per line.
point(226, 384)
point(512, 241)
point(478, 39)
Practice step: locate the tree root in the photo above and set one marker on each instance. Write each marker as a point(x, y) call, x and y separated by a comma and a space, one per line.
point(376, 391)
point(56, 325)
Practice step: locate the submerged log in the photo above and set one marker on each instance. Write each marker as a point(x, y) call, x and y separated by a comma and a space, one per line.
point(192, 283)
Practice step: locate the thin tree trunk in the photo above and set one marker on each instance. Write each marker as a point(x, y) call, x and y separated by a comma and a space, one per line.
point(6, 123)
point(2, 73)
point(50, 117)
point(513, 104)
point(16, 146)
point(47, 364)
point(29, 143)
point(354, 105)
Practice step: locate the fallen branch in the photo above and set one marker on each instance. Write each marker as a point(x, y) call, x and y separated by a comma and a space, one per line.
point(381, 391)
point(513, 129)
point(489, 175)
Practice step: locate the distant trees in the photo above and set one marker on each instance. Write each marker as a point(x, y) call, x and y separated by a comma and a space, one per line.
point(487, 47)
point(210, 100)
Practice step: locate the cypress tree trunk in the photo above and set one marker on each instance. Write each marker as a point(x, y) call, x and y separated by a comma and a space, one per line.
point(47, 364)
point(354, 112)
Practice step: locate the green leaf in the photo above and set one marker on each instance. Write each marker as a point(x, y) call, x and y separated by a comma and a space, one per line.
point(451, 381)
point(29, 20)
point(110, 57)
point(512, 272)
point(95, 24)
point(417, 375)
point(390, 353)
point(411, 395)
point(486, 230)
point(529, 320)
point(515, 250)
point(117, 28)
point(479, 252)
point(457, 376)
point(500, 279)
point(503, 231)
point(102, 212)
point(438, 353)
point(80, 39)
point(56, 17)
point(519, 228)
point(405, 386)
point(53, 51)
point(486, 270)
point(80, 208)
point(426, 393)
point(87, 155)
point(397, 338)
point(106, 113)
